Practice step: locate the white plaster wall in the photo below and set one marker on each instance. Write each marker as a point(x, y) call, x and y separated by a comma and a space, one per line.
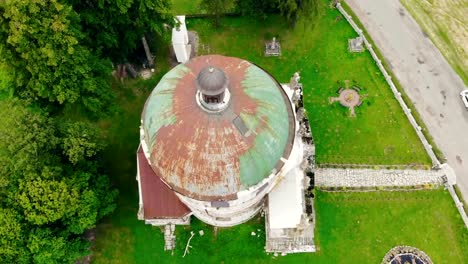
point(235, 220)
point(239, 210)
point(176, 221)
point(180, 41)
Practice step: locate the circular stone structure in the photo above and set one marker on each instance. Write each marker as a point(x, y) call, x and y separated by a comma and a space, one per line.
point(349, 98)
point(221, 164)
point(406, 254)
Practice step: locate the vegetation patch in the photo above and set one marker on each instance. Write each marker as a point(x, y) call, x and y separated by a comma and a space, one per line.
point(186, 7)
point(351, 228)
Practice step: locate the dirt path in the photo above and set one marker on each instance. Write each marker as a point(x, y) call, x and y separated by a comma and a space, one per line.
point(427, 78)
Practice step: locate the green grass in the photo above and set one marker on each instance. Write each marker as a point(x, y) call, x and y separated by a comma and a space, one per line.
point(380, 134)
point(440, 156)
point(445, 23)
point(352, 228)
point(186, 7)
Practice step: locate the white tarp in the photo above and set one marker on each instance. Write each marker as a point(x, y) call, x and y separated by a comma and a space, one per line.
point(285, 201)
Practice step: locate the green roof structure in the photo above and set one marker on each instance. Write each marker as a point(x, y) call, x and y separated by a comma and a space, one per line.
point(214, 155)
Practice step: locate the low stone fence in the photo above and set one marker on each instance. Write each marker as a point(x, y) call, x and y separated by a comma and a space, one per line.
point(367, 178)
point(388, 78)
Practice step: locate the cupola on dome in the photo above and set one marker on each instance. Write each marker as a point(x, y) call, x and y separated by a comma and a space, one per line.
point(212, 81)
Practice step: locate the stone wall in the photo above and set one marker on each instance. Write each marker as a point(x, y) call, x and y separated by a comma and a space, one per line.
point(357, 178)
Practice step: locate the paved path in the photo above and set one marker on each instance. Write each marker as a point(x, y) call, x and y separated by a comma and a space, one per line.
point(427, 78)
point(374, 178)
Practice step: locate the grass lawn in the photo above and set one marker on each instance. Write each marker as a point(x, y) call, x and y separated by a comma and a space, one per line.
point(445, 21)
point(380, 134)
point(185, 7)
point(352, 228)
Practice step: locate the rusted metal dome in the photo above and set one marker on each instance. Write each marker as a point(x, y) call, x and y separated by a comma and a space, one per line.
point(208, 156)
point(211, 81)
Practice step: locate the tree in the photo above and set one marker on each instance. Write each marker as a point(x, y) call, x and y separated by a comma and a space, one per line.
point(292, 10)
point(79, 141)
point(49, 195)
point(115, 28)
point(216, 8)
point(44, 201)
point(12, 246)
point(47, 246)
point(257, 8)
point(27, 138)
point(40, 43)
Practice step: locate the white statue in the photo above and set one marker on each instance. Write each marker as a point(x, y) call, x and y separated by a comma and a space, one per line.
point(294, 82)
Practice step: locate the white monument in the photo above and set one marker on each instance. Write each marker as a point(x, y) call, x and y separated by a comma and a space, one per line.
point(180, 40)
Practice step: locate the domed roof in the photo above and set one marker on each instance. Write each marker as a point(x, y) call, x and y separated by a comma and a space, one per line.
point(209, 156)
point(211, 81)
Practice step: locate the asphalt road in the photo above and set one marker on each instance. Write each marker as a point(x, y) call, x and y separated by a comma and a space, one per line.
point(426, 76)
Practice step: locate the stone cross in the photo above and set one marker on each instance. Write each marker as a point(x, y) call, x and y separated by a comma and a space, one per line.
point(273, 45)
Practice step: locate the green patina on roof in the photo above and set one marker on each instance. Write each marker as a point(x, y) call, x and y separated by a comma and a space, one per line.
point(270, 141)
point(164, 92)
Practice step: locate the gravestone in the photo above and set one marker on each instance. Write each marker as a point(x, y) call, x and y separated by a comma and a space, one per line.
point(273, 48)
point(356, 44)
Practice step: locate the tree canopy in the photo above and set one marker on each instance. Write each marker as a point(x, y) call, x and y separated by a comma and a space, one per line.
point(291, 10)
point(40, 42)
point(216, 8)
point(57, 53)
point(61, 51)
point(49, 197)
point(115, 28)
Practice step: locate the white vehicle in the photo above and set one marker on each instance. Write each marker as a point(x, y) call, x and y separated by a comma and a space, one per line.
point(464, 97)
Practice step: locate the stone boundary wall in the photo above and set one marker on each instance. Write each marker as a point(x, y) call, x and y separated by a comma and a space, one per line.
point(388, 78)
point(435, 162)
point(358, 178)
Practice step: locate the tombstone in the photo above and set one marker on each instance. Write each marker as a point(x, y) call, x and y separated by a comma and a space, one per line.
point(180, 40)
point(273, 48)
point(356, 44)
